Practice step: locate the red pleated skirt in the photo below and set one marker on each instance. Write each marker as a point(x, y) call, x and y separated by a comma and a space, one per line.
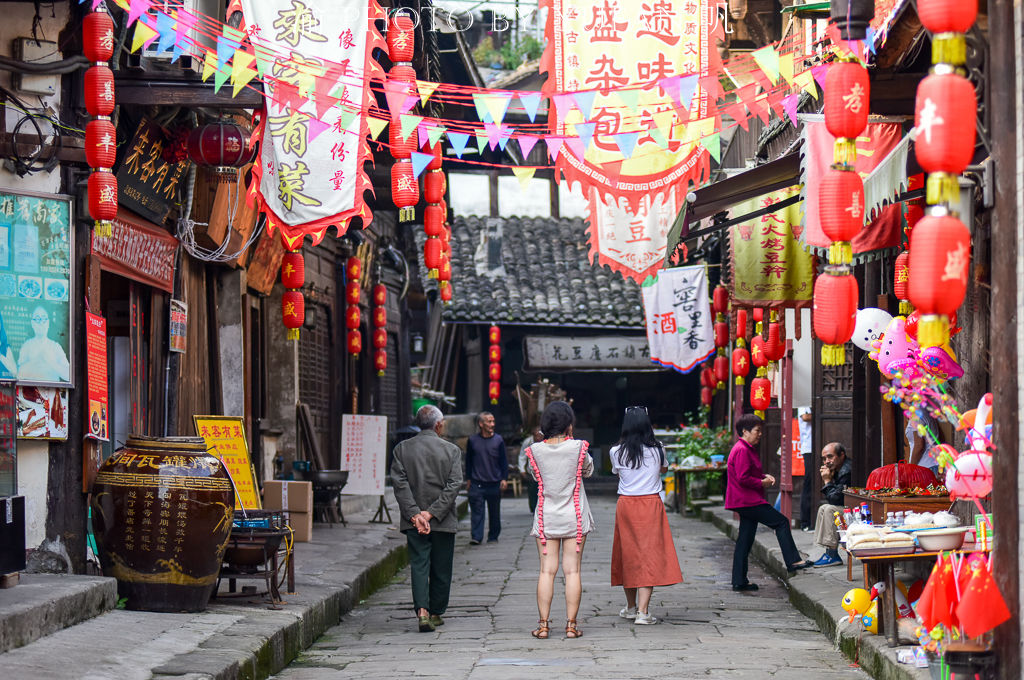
point(643, 553)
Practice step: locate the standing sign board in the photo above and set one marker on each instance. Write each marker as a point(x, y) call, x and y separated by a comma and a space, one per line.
point(364, 453)
point(96, 360)
point(225, 439)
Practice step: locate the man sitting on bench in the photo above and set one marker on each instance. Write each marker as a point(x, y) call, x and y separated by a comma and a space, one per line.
point(836, 474)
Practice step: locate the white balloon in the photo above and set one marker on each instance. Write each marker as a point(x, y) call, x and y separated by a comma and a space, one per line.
point(871, 323)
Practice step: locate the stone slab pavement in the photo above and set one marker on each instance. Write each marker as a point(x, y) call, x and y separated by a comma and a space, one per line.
point(706, 629)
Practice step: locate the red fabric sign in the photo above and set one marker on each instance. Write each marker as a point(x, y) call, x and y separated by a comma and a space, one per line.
point(96, 371)
point(139, 250)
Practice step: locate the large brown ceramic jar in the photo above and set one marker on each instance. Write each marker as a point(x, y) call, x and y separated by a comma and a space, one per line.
point(162, 511)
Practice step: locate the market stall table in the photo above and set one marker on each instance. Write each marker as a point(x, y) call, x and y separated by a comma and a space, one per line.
point(680, 481)
point(880, 506)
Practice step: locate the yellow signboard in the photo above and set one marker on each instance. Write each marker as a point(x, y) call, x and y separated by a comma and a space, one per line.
point(225, 438)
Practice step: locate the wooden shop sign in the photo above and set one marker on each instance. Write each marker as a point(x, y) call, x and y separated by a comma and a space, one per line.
point(138, 250)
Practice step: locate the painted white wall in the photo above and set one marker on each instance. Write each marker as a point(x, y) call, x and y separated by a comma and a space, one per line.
point(33, 462)
point(803, 358)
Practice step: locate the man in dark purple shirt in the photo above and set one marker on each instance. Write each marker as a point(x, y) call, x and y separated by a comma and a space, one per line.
point(486, 479)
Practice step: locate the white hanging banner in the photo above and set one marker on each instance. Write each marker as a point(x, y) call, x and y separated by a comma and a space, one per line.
point(631, 243)
point(678, 315)
point(315, 57)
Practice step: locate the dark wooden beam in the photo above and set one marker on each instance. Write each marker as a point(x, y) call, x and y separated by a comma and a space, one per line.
point(894, 94)
point(72, 149)
point(187, 93)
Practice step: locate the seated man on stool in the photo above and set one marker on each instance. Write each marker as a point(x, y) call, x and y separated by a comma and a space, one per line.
point(836, 474)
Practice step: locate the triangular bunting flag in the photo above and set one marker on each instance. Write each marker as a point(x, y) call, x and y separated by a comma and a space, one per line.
point(820, 72)
point(664, 120)
point(712, 86)
point(687, 86)
point(630, 98)
point(805, 81)
point(434, 133)
point(713, 143)
point(670, 86)
point(562, 102)
point(481, 140)
point(584, 102)
point(316, 128)
point(220, 77)
point(395, 92)
point(410, 101)
point(768, 61)
point(493, 132)
point(524, 175)
point(554, 144)
point(136, 9)
point(227, 43)
point(348, 116)
point(144, 35)
point(480, 102)
point(409, 123)
point(420, 161)
point(786, 67)
point(577, 147)
point(659, 137)
point(497, 106)
point(585, 131)
point(242, 71)
point(425, 89)
point(526, 144)
point(421, 135)
point(458, 140)
point(789, 105)
point(183, 26)
point(626, 141)
point(165, 27)
point(210, 65)
point(530, 102)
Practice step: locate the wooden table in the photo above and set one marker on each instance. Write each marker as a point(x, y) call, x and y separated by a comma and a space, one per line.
point(680, 478)
point(881, 506)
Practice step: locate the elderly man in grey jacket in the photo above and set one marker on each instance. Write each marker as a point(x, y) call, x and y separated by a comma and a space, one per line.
point(426, 473)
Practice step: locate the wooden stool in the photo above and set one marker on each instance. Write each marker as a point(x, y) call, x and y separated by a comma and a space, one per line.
point(516, 483)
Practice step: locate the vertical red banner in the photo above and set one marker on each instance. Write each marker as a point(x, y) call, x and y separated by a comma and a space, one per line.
point(96, 370)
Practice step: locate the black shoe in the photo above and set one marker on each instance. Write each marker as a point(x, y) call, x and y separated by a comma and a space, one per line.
point(473, 541)
point(492, 540)
point(799, 565)
point(745, 588)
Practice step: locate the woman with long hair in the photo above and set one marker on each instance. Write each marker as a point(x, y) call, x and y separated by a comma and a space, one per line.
point(643, 553)
point(562, 519)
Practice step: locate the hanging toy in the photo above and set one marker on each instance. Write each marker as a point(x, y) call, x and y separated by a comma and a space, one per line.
point(896, 351)
point(871, 323)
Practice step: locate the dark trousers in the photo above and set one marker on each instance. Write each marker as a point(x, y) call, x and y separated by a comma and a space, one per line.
point(531, 493)
point(479, 493)
point(430, 561)
point(805, 492)
point(749, 519)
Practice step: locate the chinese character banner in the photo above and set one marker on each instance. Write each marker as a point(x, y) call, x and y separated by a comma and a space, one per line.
point(313, 128)
point(678, 317)
point(769, 267)
point(596, 51)
point(631, 242)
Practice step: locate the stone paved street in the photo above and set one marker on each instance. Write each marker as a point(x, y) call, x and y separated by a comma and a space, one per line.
point(706, 630)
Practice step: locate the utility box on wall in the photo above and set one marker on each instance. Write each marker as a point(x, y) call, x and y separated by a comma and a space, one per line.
point(36, 52)
point(12, 534)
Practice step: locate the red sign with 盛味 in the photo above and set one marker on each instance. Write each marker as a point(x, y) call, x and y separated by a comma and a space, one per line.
point(139, 250)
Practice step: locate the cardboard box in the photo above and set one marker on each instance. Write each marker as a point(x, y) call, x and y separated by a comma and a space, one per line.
point(284, 495)
point(302, 525)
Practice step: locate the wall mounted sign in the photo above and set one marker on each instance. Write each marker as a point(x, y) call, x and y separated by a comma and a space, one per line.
point(146, 184)
point(591, 353)
point(35, 288)
point(98, 426)
point(225, 438)
point(42, 412)
point(178, 327)
point(138, 250)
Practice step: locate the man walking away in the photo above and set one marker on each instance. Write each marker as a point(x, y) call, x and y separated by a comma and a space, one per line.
point(836, 474)
point(426, 473)
point(486, 478)
point(804, 418)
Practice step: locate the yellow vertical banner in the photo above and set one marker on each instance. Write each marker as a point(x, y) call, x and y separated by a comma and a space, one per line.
point(225, 439)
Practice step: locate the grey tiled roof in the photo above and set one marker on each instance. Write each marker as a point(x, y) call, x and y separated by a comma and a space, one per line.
point(548, 277)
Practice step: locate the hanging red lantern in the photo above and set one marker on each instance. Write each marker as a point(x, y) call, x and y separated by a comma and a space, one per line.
point(433, 221)
point(940, 258)
point(721, 334)
point(741, 325)
point(740, 364)
point(900, 283)
point(98, 87)
point(494, 353)
point(775, 345)
point(947, 16)
point(404, 73)
point(223, 145)
point(720, 299)
point(432, 256)
point(847, 91)
point(706, 395)
point(494, 391)
point(401, 38)
point(293, 312)
point(707, 377)
point(434, 185)
point(841, 201)
point(444, 272)
point(380, 317)
point(835, 313)
point(353, 268)
point(434, 150)
point(380, 361)
point(494, 335)
point(446, 292)
point(401, 147)
point(760, 394)
point(293, 270)
point(380, 295)
point(405, 190)
point(380, 338)
point(944, 143)
point(352, 317)
point(757, 353)
point(354, 342)
point(352, 292)
point(103, 196)
point(915, 211)
point(721, 370)
point(758, 315)
point(494, 372)
point(100, 143)
point(98, 36)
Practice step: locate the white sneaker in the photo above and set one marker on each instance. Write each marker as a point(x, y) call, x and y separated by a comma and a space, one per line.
point(644, 619)
point(627, 613)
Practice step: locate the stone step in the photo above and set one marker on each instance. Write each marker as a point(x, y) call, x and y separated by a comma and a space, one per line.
point(42, 604)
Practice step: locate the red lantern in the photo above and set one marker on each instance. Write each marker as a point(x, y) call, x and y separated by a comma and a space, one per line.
point(354, 342)
point(353, 268)
point(380, 317)
point(841, 201)
point(494, 354)
point(758, 315)
point(720, 299)
point(847, 90)
point(432, 256)
point(293, 312)
point(405, 190)
point(721, 334)
point(940, 258)
point(706, 395)
point(401, 38)
point(403, 73)
point(721, 370)
point(352, 317)
point(775, 345)
point(98, 87)
point(380, 338)
point(835, 313)
point(740, 364)
point(915, 211)
point(494, 372)
point(293, 270)
point(433, 221)
point(494, 335)
point(100, 143)
point(102, 196)
point(435, 150)
point(761, 394)
point(98, 36)
point(758, 357)
point(352, 292)
point(380, 361)
point(901, 279)
point(707, 378)
point(494, 391)
point(433, 186)
point(946, 104)
point(741, 324)
point(446, 292)
point(380, 295)
point(947, 16)
point(222, 145)
point(401, 148)
point(444, 272)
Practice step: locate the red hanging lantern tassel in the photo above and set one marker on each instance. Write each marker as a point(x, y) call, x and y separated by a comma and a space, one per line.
point(98, 88)
point(760, 395)
point(380, 317)
point(434, 186)
point(98, 36)
point(100, 136)
point(494, 335)
point(293, 277)
point(835, 313)
point(446, 292)
point(380, 295)
point(432, 257)
point(940, 258)
point(401, 32)
point(901, 282)
point(100, 143)
point(444, 272)
point(841, 201)
point(494, 353)
point(775, 345)
point(352, 317)
point(293, 270)
point(741, 327)
point(352, 292)
point(740, 364)
point(948, 20)
point(293, 312)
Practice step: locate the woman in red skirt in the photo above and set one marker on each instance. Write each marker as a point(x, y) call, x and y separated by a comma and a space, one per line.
point(643, 554)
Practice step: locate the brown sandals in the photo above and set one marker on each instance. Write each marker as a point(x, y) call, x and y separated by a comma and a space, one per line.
point(541, 632)
point(571, 631)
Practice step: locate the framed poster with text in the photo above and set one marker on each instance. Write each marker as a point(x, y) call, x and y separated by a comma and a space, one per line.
point(36, 274)
point(364, 453)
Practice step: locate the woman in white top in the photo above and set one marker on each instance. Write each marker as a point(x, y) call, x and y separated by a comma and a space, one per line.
point(643, 553)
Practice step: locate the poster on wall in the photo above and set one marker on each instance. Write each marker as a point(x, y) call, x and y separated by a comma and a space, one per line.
point(42, 412)
point(225, 439)
point(178, 327)
point(364, 453)
point(35, 288)
point(96, 376)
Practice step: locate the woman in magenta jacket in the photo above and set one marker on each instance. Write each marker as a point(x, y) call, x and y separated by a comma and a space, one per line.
point(744, 495)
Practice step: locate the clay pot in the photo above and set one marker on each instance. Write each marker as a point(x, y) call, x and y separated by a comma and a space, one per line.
point(162, 512)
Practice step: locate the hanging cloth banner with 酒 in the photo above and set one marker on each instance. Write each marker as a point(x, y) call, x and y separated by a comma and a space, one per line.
point(769, 267)
point(315, 58)
point(678, 316)
point(631, 242)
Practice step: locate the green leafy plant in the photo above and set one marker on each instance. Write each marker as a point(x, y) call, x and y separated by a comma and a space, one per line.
point(510, 55)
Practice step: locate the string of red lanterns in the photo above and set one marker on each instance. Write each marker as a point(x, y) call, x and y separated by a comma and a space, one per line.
point(100, 135)
point(720, 305)
point(940, 244)
point(494, 369)
point(760, 386)
point(901, 269)
point(380, 331)
point(405, 190)
point(293, 304)
point(436, 213)
point(740, 355)
point(353, 271)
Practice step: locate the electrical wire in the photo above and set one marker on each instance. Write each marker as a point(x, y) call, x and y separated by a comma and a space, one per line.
point(35, 162)
point(185, 230)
